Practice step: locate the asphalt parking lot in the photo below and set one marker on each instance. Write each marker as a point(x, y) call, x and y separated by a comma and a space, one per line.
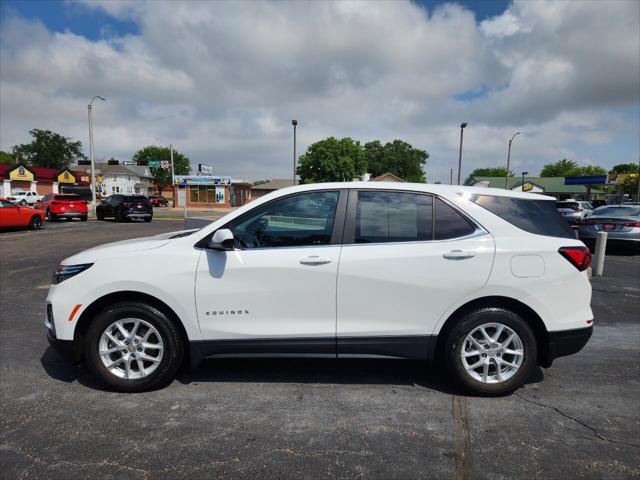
point(307, 418)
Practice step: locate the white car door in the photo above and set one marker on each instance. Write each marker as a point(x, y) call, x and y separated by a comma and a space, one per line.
point(280, 281)
point(407, 257)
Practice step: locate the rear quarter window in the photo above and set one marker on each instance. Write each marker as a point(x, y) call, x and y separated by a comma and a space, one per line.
point(534, 216)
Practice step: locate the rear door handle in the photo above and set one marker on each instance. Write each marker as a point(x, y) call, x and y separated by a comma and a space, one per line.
point(315, 260)
point(458, 255)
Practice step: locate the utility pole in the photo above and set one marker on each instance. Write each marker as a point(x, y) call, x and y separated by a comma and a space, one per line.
point(295, 160)
point(506, 180)
point(93, 166)
point(462, 126)
point(451, 177)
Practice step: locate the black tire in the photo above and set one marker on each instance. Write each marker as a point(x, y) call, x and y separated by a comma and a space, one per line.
point(454, 344)
point(23, 203)
point(35, 223)
point(83, 218)
point(99, 215)
point(117, 216)
point(173, 346)
point(51, 217)
point(147, 219)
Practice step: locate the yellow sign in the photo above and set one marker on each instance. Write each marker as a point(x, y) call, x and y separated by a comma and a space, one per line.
point(527, 186)
point(66, 177)
point(21, 173)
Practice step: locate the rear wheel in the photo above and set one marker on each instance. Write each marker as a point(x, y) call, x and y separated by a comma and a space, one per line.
point(83, 218)
point(99, 215)
point(51, 216)
point(147, 219)
point(118, 216)
point(134, 347)
point(35, 223)
point(491, 351)
point(23, 203)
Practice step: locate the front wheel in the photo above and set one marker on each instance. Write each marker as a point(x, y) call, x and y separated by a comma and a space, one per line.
point(23, 203)
point(134, 347)
point(35, 223)
point(491, 351)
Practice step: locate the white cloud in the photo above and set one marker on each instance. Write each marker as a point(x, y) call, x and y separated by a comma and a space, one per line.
point(222, 80)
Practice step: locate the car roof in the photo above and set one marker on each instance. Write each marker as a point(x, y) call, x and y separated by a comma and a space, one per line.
point(434, 188)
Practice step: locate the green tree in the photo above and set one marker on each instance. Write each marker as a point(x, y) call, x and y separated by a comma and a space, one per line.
point(48, 149)
point(625, 168)
point(586, 170)
point(397, 157)
point(569, 168)
point(561, 168)
point(160, 175)
point(332, 160)
point(490, 172)
point(6, 157)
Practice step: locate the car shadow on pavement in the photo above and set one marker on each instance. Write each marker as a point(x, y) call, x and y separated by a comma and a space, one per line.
point(286, 370)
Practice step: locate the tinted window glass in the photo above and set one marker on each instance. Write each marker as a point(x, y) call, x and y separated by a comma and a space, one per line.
point(299, 220)
point(533, 216)
point(136, 199)
point(450, 223)
point(618, 211)
point(393, 217)
point(70, 198)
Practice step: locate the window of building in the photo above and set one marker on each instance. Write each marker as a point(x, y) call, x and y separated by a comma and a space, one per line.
point(298, 220)
point(393, 217)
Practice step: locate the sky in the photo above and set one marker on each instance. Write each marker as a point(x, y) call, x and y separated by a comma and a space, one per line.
point(221, 81)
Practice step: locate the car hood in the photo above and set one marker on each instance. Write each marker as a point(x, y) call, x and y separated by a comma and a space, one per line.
point(125, 247)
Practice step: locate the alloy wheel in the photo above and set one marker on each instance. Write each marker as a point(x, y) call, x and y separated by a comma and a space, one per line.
point(492, 353)
point(131, 348)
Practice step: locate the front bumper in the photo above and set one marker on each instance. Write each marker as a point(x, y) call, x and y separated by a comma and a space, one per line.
point(565, 342)
point(67, 349)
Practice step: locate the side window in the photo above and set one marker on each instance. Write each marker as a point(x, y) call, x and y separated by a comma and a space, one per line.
point(450, 223)
point(393, 217)
point(6, 204)
point(298, 220)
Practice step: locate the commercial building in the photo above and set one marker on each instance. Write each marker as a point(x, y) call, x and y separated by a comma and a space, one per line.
point(20, 177)
point(553, 186)
point(258, 191)
point(209, 191)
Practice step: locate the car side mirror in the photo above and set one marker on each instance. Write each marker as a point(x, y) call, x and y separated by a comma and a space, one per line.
point(222, 240)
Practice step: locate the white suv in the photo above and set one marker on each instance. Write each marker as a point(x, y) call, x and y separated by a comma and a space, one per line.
point(476, 278)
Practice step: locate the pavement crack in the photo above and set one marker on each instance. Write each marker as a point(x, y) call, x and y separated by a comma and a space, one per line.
point(593, 430)
point(461, 437)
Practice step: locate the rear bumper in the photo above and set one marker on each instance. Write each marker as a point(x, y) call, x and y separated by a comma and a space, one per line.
point(70, 214)
point(138, 215)
point(565, 342)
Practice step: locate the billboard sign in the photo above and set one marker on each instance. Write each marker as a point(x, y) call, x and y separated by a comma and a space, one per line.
point(205, 169)
point(201, 180)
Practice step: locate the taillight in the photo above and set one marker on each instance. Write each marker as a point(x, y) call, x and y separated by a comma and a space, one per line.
point(579, 257)
point(632, 224)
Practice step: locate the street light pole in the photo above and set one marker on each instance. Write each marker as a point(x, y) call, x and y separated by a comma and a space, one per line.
point(460, 153)
point(506, 179)
point(523, 174)
point(295, 160)
point(91, 152)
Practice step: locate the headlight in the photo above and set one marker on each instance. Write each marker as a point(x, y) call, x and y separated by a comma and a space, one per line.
point(67, 271)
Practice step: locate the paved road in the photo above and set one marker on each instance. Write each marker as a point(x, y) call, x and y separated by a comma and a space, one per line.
point(307, 418)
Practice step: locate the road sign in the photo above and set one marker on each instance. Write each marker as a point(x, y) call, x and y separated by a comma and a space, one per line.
point(164, 164)
point(154, 163)
point(128, 162)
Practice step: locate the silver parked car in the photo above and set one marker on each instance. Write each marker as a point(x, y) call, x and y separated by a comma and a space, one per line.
point(621, 222)
point(574, 211)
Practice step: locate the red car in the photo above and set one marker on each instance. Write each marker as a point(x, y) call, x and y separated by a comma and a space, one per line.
point(12, 215)
point(63, 205)
point(158, 201)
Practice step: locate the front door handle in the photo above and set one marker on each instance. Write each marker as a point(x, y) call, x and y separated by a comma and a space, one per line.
point(458, 255)
point(315, 260)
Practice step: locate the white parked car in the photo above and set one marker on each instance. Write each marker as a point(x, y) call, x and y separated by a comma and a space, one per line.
point(24, 198)
point(490, 282)
point(574, 211)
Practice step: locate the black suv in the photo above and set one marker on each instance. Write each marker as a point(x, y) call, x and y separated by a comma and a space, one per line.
point(125, 207)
